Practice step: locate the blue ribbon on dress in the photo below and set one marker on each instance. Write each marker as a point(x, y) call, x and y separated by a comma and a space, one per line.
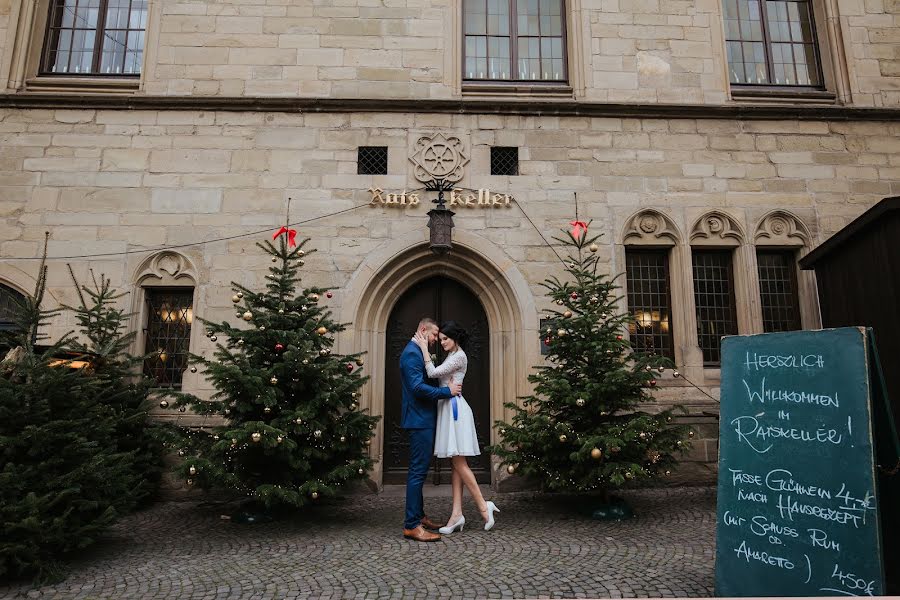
point(455, 408)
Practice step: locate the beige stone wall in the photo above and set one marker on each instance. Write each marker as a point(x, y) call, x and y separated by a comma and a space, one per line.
point(120, 182)
point(668, 51)
point(873, 38)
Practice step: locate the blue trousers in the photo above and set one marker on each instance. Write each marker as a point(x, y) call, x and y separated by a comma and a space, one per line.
point(421, 447)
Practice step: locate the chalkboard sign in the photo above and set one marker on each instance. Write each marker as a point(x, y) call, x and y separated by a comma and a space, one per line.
point(797, 508)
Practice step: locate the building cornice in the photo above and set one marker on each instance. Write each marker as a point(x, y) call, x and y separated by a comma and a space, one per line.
point(540, 107)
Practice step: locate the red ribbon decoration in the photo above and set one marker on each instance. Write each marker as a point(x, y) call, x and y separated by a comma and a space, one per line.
point(291, 233)
point(579, 228)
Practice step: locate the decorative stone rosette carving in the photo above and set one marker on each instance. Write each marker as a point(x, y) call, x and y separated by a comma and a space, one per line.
point(716, 228)
point(650, 227)
point(781, 228)
point(439, 157)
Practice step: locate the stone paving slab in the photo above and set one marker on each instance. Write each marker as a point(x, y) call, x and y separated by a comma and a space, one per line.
point(353, 548)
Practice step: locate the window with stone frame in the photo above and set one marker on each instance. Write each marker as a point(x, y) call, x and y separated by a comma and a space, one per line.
point(167, 334)
point(714, 299)
point(94, 38)
point(772, 43)
point(778, 295)
point(514, 41)
point(649, 301)
point(11, 302)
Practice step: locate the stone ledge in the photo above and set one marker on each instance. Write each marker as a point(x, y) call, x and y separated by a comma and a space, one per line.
point(533, 107)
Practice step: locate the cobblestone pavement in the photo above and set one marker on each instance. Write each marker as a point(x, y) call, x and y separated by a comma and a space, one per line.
point(353, 548)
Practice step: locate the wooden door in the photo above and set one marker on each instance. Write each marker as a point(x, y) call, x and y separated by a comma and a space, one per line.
point(442, 299)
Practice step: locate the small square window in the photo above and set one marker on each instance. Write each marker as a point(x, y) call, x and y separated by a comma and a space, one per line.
point(504, 160)
point(371, 160)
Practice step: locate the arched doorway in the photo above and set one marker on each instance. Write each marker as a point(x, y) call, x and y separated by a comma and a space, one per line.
point(442, 298)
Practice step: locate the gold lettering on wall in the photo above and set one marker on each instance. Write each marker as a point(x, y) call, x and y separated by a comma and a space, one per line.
point(481, 198)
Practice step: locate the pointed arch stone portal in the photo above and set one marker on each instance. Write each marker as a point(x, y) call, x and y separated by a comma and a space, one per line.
point(508, 302)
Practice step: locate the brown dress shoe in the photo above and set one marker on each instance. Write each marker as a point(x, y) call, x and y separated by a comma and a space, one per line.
point(429, 524)
point(420, 535)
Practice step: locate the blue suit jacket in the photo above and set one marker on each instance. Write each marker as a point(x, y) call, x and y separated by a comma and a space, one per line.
point(419, 408)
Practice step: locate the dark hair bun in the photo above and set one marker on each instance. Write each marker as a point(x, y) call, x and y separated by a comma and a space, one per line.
point(455, 332)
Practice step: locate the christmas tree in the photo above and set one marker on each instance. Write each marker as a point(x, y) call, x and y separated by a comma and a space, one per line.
point(293, 429)
point(123, 388)
point(63, 479)
point(583, 428)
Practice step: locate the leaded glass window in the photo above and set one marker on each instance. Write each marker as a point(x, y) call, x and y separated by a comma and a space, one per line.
point(168, 334)
point(649, 301)
point(714, 299)
point(778, 290)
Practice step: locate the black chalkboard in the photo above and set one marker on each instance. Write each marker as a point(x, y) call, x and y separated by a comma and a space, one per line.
point(797, 507)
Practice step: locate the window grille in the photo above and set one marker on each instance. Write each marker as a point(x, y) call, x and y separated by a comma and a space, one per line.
point(514, 40)
point(778, 290)
point(649, 301)
point(168, 334)
point(95, 37)
point(714, 298)
point(504, 161)
point(372, 160)
point(771, 42)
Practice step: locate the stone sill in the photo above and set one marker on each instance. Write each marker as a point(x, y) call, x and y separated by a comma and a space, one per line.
point(82, 85)
point(526, 90)
point(776, 95)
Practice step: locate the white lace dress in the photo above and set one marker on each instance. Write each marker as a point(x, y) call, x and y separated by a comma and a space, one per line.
point(454, 437)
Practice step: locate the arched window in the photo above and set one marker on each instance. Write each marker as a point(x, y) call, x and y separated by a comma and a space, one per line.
point(10, 302)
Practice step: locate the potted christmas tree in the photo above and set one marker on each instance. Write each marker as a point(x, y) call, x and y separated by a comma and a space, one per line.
point(293, 432)
point(584, 429)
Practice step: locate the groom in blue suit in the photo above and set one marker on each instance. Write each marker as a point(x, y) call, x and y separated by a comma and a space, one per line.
point(419, 418)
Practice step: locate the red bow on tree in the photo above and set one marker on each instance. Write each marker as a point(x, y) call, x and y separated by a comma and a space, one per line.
point(578, 228)
point(291, 234)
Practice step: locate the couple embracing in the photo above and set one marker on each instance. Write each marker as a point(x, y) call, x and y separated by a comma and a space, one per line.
point(440, 423)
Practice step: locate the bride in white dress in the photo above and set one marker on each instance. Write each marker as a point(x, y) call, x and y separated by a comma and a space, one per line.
point(455, 437)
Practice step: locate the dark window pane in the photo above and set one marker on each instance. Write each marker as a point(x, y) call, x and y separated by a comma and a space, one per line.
point(11, 302)
point(372, 160)
point(168, 334)
point(778, 290)
point(504, 161)
point(714, 299)
point(649, 301)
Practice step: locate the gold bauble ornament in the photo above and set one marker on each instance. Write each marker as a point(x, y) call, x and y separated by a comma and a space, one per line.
point(298, 421)
point(353, 406)
point(181, 453)
point(343, 439)
point(164, 356)
point(361, 471)
point(322, 330)
point(234, 441)
point(267, 410)
point(279, 439)
point(559, 302)
point(317, 433)
point(667, 473)
point(280, 311)
point(240, 294)
point(563, 438)
point(262, 327)
point(255, 436)
point(502, 432)
point(240, 342)
point(192, 470)
point(628, 475)
point(216, 437)
point(314, 297)
point(642, 435)
point(274, 259)
point(248, 315)
point(163, 404)
point(193, 369)
point(301, 253)
point(354, 394)
point(314, 495)
point(567, 314)
point(676, 374)
point(561, 332)
point(690, 434)
point(596, 454)
point(190, 482)
point(235, 298)
point(323, 352)
point(511, 469)
point(593, 247)
point(273, 381)
point(360, 362)
point(211, 338)
point(305, 361)
point(579, 402)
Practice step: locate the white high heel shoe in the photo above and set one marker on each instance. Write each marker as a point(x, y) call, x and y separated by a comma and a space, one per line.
point(451, 528)
point(491, 509)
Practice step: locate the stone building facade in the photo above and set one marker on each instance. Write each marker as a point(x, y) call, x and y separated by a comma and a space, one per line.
point(708, 165)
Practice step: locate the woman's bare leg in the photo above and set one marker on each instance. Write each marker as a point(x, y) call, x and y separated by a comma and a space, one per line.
point(468, 479)
point(456, 485)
